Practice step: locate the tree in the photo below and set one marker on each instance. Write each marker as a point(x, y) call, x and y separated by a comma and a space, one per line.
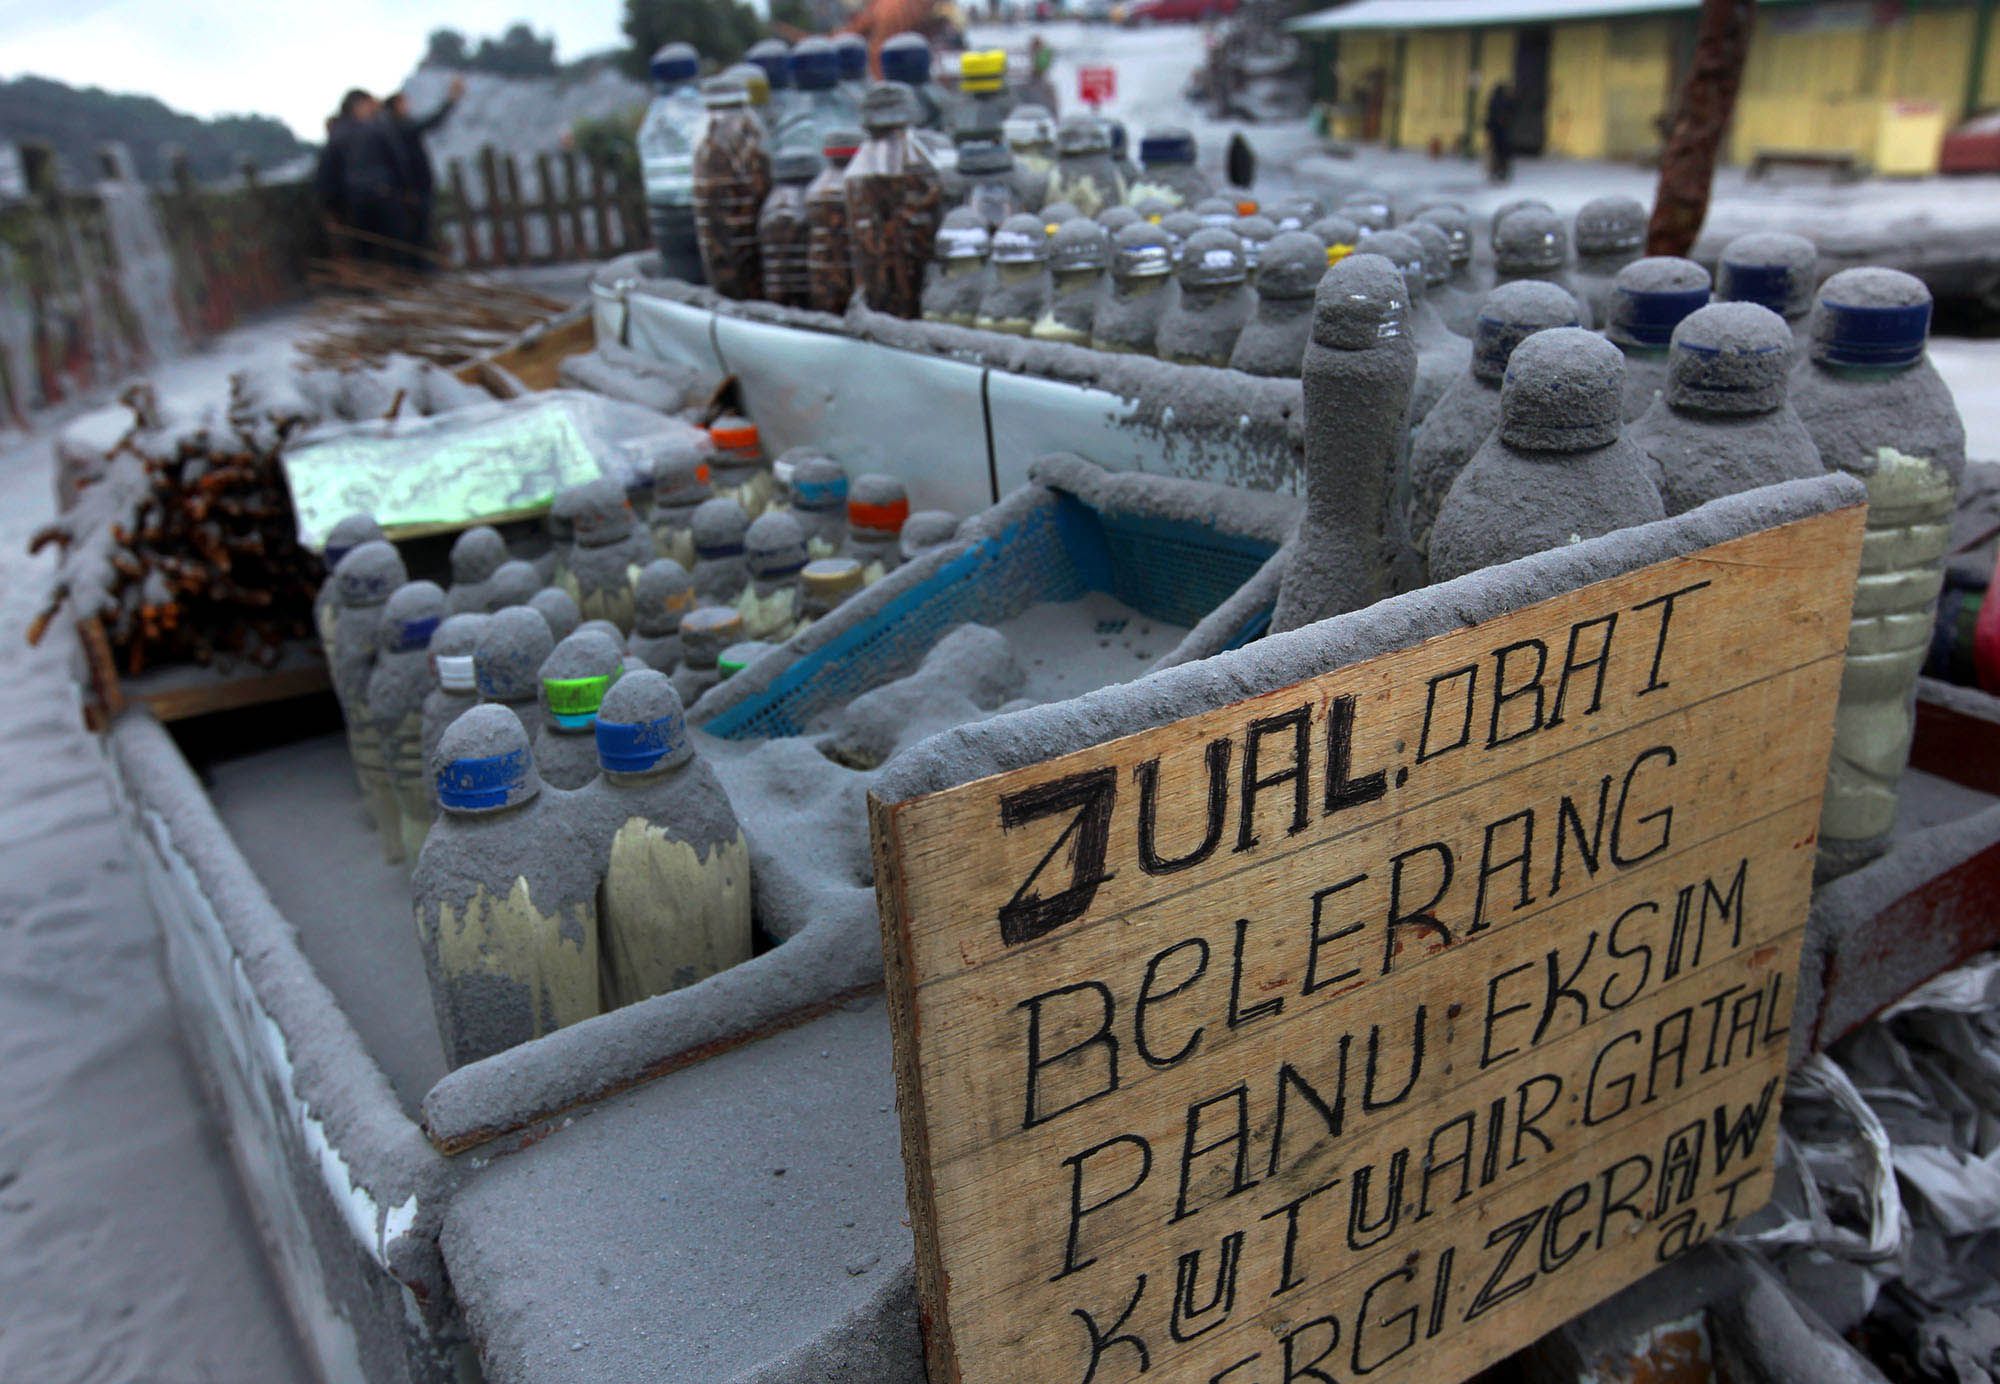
point(519, 52)
point(448, 48)
point(1701, 114)
point(719, 29)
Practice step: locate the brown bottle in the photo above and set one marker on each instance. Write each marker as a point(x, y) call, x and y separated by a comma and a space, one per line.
point(895, 202)
point(826, 226)
point(732, 176)
point(783, 232)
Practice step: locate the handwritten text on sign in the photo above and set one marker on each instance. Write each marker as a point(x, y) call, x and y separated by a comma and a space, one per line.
point(1374, 1026)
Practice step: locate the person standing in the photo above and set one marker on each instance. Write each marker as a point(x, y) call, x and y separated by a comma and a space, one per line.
point(361, 177)
point(419, 182)
point(1500, 133)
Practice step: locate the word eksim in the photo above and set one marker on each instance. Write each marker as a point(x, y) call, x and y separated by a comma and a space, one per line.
point(1290, 1040)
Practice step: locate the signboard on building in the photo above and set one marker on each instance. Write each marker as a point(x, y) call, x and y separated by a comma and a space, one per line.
point(1096, 85)
point(1375, 1025)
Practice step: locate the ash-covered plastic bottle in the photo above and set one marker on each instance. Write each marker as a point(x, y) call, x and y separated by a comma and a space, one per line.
point(878, 505)
point(505, 896)
point(1017, 289)
point(979, 115)
point(1877, 409)
point(665, 841)
point(1358, 370)
point(349, 534)
point(906, 60)
point(928, 529)
point(1079, 254)
point(1296, 212)
point(1442, 355)
point(784, 232)
point(1774, 270)
point(393, 780)
point(819, 503)
point(719, 570)
point(957, 279)
point(1458, 300)
point(1339, 233)
point(1085, 173)
point(988, 173)
point(611, 547)
point(824, 584)
point(895, 203)
point(680, 483)
point(557, 609)
point(667, 138)
point(1610, 234)
point(705, 632)
point(1255, 232)
point(732, 176)
point(774, 550)
point(662, 597)
point(1030, 132)
point(738, 469)
point(1370, 209)
point(507, 663)
point(1168, 169)
point(574, 678)
point(1649, 300)
point(829, 257)
point(1215, 302)
point(476, 555)
point(1724, 423)
point(1142, 272)
point(818, 105)
point(1559, 468)
point(365, 579)
point(1531, 243)
point(1273, 342)
point(1217, 213)
point(1178, 227)
point(453, 690)
point(514, 582)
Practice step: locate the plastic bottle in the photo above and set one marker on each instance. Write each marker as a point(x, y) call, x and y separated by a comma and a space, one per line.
point(556, 529)
point(476, 555)
point(662, 596)
point(1558, 468)
point(1340, 234)
point(1085, 173)
point(906, 60)
point(349, 534)
point(732, 175)
point(957, 278)
point(1507, 209)
point(1178, 227)
point(1724, 423)
point(1201, 326)
point(1773, 270)
point(573, 680)
point(1441, 355)
point(819, 502)
point(1142, 270)
point(680, 483)
point(774, 57)
point(740, 655)
point(365, 579)
point(393, 780)
point(980, 113)
point(1469, 410)
point(757, 91)
point(852, 52)
point(1078, 256)
point(1369, 209)
point(1358, 370)
point(928, 529)
point(452, 692)
point(774, 550)
point(829, 260)
point(878, 505)
point(1458, 299)
point(1610, 234)
point(738, 469)
point(1217, 213)
point(705, 632)
point(505, 896)
point(663, 837)
point(990, 193)
point(1649, 300)
point(1055, 215)
point(611, 547)
point(1274, 341)
point(1255, 232)
point(507, 663)
point(783, 231)
point(1018, 289)
point(1116, 219)
point(1167, 169)
point(1121, 153)
point(818, 106)
point(1532, 244)
point(557, 609)
point(1436, 247)
point(666, 159)
point(895, 202)
point(824, 584)
point(514, 582)
point(719, 571)
point(1877, 409)
point(1297, 212)
point(1030, 132)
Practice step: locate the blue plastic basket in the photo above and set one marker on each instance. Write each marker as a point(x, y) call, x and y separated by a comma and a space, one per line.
point(1167, 569)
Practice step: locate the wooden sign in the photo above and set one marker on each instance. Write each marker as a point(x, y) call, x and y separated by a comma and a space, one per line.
point(1373, 1026)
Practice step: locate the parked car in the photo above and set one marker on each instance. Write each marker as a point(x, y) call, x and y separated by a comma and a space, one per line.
point(1973, 147)
point(1177, 11)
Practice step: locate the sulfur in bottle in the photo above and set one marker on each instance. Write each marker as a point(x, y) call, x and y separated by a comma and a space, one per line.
point(783, 231)
point(1358, 370)
point(349, 534)
point(732, 174)
point(737, 467)
point(819, 503)
point(1255, 232)
point(1018, 289)
point(1774, 270)
point(988, 172)
point(505, 896)
point(476, 555)
point(507, 663)
point(705, 633)
point(1079, 254)
point(1877, 409)
point(1142, 270)
point(1458, 300)
point(680, 484)
point(927, 529)
point(663, 595)
point(514, 582)
point(1531, 243)
point(824, 584)
point(1610, 233)
point(1441, 355)
point(1651, 297)
point(1030, 132)
point(957, 278)
point(774, 549)
point(453, 689)
point(878, 506)
point(558, 608)
point(1558, 468)
point(574, 678)
point(676, 901)
point(396, 783)
point(1201, 326)
point(1724, 423)
point(1369, 209)
point(1469, 411)
point(719, 572)
point(611, 547)
point(895, 201)
point(829, 257)
point(365, 579)
point(1085, 173)
point(1274, 341)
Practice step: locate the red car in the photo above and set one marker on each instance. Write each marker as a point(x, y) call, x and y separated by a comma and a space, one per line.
point(1178, 11)
point(1973, 147)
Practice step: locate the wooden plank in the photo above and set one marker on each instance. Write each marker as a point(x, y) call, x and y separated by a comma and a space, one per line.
point(1378, 1024)
point(234, 694)
point(573, 205)
point(517, 214)
point(551, 206)
point(465, 216)
point(495, 206)
point(600, 209)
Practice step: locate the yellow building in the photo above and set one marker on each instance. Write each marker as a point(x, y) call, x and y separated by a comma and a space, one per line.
point(1877, 83)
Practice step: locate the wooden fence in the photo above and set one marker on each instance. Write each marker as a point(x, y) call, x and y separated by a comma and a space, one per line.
point(562, 207)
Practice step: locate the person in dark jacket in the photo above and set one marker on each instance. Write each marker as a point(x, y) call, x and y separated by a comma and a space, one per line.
point(419, 183)
point(361, 178)
point(1500, 133)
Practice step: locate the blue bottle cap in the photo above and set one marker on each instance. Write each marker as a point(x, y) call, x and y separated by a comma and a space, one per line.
point(632, 747)
point(816, 495)
point(483, 783)
point(1166, 146)
point(815, 66)
point(906, 58)
point(1648, 318)
point(1852, 334)
point(852, 51)
point(675, 62)
point(414, 634)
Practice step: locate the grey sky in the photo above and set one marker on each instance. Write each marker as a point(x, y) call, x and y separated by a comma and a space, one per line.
point(286, 58)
